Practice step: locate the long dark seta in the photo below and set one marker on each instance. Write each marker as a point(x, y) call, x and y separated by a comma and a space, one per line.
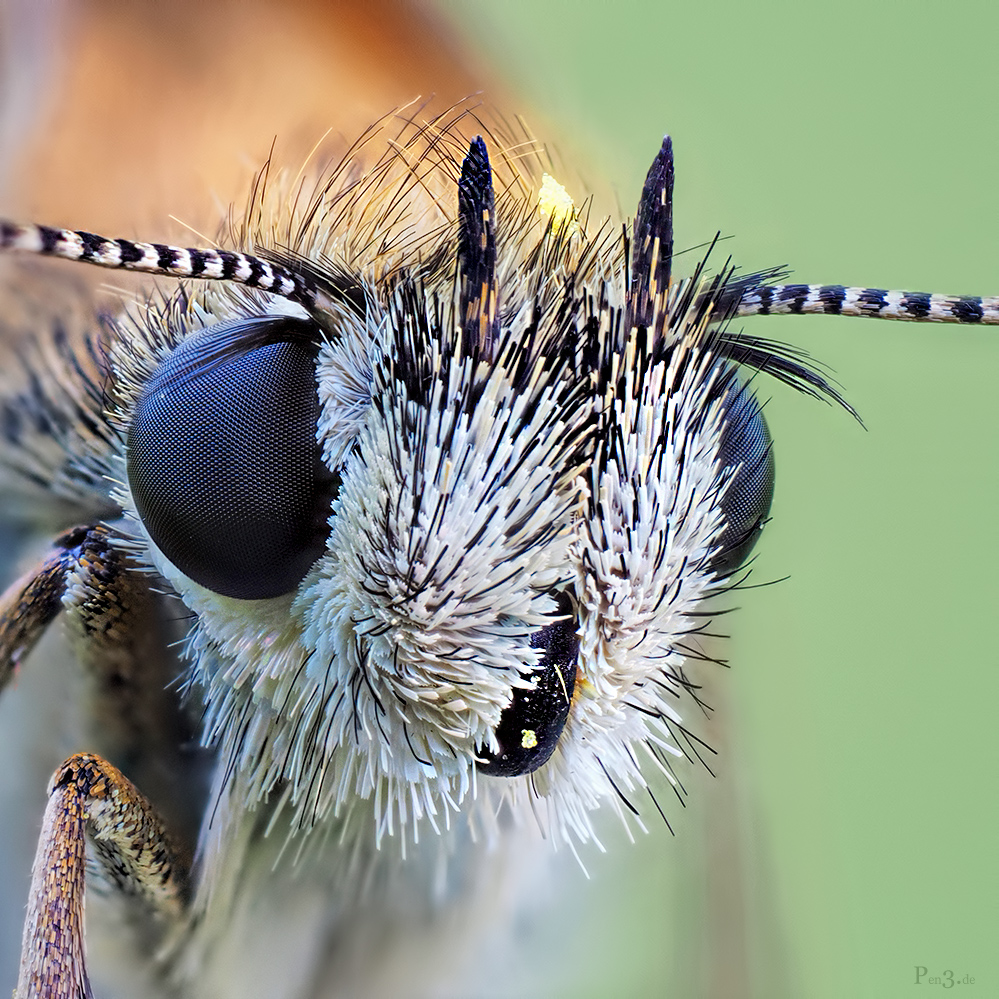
point(652, 249)
point(477, 251)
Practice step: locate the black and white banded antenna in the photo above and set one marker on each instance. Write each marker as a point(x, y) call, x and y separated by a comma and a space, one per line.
point(159, 258)
point(297, 286)
point(871, 303)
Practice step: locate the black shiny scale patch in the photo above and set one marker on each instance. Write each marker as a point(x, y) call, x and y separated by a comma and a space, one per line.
point(531, 724)
point(223, 461)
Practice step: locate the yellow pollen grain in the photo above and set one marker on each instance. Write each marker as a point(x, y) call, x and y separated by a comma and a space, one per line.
point(528, 738)
point(554, 203)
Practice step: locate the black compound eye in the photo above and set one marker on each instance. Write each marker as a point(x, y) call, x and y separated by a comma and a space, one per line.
point(746, 443)
point(530, 725)
point(223, 461)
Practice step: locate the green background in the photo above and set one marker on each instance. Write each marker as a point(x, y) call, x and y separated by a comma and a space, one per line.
point(857, 143)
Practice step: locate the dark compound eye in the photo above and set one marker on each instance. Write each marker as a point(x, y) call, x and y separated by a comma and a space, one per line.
point(531, 724)
point(745, 442)
point(223, 461)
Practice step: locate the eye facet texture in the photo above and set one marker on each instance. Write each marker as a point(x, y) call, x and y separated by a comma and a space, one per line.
point(531, 724)
point(223, 461)
point(747, 447)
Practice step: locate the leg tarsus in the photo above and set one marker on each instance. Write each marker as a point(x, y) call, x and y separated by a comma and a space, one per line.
point(90, 797)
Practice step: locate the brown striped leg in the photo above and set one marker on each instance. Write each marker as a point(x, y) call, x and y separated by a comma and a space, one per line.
point(84, 574)
point(29, 605)
point(117, 632)
point(111, 619)
point(88, 797)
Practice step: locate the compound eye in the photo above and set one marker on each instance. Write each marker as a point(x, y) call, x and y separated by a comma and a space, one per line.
point(530, 725)
point(223, 461)
point(746, 446)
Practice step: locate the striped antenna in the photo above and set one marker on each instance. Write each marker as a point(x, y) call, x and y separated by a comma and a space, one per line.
point(874, 303)
point(158, 258)
point(253, 272)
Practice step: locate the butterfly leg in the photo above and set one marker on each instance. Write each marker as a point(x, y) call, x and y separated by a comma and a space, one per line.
point(106, 605)
point(90, 798)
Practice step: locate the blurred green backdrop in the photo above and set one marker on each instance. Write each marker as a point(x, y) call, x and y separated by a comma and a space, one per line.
point(852, 837)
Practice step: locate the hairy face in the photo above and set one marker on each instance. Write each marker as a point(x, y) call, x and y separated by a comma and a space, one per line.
point(447, 514)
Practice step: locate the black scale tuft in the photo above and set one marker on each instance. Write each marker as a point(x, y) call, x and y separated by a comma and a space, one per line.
point(917, 304)
point(968, 310)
